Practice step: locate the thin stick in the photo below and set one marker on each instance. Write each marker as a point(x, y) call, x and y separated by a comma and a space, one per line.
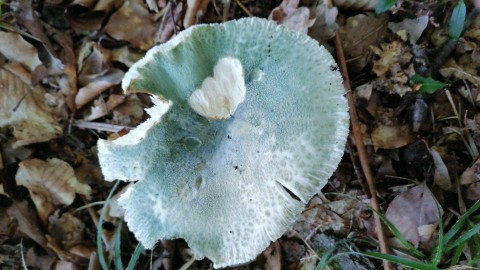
point(362, 153)
point(244, 8)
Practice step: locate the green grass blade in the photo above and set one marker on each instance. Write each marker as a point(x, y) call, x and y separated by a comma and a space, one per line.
point(326, 259)
point(136, 254)
point(326, 255)
point(457, 254)
point(461, 221)
point(439, 250)
point(117, 259)
point(411, 248)
point(101, 256)
point(465, 237)
point(400, 261)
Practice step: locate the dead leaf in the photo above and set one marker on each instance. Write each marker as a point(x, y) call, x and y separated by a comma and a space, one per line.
point(66, 229)
point(125, 56)
point(471, 174)
point(273, 256)
point(413, 27)
point(356, 4)
point(8, 226)
point(293, 17)
point(97, 86)
point(65, 265)
point(473, 191)
point(441, 177)
point(391, 137)
point(50, 183)
point(412, 209)
point(358, 34)
point(165, 33)
point(451, 68)
point(133, 23)
point(27, 222)
point(12, 155)
point(195, 10)
point(39, 261)
point(325, 23)
point(129, 113)
point(93, 61)
point(15, 48)
point(23, 108)
point(390, 54)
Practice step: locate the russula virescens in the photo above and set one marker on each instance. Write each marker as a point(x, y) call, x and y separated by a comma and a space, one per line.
point(246, 114)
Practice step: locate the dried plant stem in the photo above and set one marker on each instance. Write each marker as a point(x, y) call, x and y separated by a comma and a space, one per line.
point(362, 154)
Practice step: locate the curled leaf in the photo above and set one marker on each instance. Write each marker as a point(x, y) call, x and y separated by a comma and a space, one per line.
point(50, 183)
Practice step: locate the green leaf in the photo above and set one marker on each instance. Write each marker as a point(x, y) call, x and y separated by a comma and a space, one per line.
point(384, 5)
point(429, 85)
point(457, 20)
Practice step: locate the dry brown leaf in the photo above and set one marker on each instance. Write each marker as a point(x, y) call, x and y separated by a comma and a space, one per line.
point(39, 261)
point(390, 54)
point(195, 10)
point(325, 23)
point(12, 155)
point(50, 183)
point(413, 27)
point(23, 108)
point(441, 177)
point(15, 48)
point(133, 23)
point(356, 4)
point(129, 113)
point(391, 137)
point(27, 222)
point(67, 229)
point(273, 257)
point(8, 226)
point(165, 33)
point(293, 17)
point(125, 56)
point(411, 210)
point(451, 68)
point(471, 174)
point(65, 265)
point(473, 191)
point(101, 108)
point(93, 61)
point(97, 86)
point(358, 34)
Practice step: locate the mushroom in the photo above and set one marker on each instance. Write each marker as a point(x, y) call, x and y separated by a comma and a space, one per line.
point(249, 121)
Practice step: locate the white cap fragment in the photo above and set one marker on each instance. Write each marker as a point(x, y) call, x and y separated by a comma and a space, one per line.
point(220, 95)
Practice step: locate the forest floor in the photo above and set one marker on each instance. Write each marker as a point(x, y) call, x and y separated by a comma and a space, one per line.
point(413, 68)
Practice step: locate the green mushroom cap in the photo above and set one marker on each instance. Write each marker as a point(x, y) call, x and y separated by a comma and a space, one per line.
point(249, 123)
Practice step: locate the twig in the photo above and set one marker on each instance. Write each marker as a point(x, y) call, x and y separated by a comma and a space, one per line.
point(362, 153)
point(226, 8)
point(100, 126)
point(244, 8)
point(172, 14)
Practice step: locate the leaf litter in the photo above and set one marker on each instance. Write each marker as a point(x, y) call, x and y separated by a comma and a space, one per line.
point(57, 71)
